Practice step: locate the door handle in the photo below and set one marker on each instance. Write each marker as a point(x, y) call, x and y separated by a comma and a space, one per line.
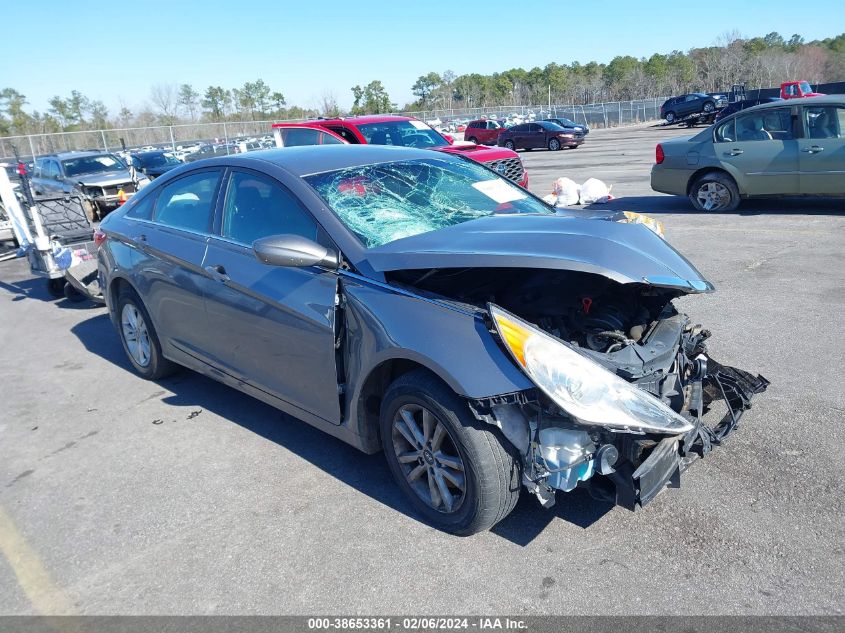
point(736, 152)
point(142, 238)
point(217, 273)
point(813, 150)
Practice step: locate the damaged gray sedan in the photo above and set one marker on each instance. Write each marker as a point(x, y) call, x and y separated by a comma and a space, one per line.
point(424, 306)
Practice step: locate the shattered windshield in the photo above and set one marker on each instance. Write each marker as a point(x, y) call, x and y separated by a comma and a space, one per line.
point(402, 133)
point(388, 201)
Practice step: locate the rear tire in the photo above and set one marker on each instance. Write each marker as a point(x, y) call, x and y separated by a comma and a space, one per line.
point(670, 117)
point(714, 191)
point(422, 422)
point(139, 338)
point(56, 287)
point(509, 145)
point(90, 210)
point(72, 294)
point(472, 139)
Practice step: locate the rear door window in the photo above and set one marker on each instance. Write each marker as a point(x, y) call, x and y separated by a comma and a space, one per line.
point(764, 125)
point(140, 208)
point(726, 133)
point(298, 136)
point(188, 203)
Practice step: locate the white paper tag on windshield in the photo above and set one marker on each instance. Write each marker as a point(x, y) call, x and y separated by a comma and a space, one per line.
point(499, 191)
point(418, 125)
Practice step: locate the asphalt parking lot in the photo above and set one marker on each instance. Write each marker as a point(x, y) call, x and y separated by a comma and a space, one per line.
point(120, 496)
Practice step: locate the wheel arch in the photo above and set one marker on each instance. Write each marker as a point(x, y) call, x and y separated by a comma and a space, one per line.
point(116, 286)
point(373, 388)
point(716, 170)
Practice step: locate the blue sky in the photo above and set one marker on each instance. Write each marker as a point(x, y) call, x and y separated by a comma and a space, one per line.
point(117, 50)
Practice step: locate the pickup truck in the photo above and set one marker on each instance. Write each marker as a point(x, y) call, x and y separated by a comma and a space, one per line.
point(797, 89)
point(385, 129)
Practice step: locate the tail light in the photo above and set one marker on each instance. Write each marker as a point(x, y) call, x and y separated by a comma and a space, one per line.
point(659, 155)
point(21, 169)
point(99, 238)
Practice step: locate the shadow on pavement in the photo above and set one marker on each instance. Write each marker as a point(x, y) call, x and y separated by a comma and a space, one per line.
point(368, 474)
point(36, 288)
point(657, 204)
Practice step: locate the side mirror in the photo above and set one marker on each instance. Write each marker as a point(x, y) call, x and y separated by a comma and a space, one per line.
point(293, 251)
point(449, 138)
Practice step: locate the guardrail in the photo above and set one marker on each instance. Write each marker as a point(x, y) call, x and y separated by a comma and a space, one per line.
point(594, 115)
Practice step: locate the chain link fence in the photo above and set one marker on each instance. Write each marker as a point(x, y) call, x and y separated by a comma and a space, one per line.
point(173, 136)
point(594, 115)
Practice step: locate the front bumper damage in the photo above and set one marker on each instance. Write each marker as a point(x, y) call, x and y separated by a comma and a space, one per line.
point(627, 469)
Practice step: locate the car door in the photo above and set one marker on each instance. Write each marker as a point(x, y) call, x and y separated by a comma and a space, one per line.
point(272, 327)
point(821, 156)
point(536, 136)
point(519, 135)
point(762, 150)
point(170, 248)
point(50, 182)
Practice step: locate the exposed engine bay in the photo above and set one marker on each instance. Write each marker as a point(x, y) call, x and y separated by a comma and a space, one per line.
point(633, 331)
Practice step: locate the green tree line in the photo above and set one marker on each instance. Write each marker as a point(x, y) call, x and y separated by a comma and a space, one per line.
point(759, 62)
point(756, 61)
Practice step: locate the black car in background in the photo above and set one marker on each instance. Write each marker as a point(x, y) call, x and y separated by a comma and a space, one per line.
point(212, 151)
point(736, 106)
point(569, 124)
point(154, 164)
point(543, 134)
point(694, 103)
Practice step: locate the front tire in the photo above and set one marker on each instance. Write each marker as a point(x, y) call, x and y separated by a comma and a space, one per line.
point(456, 470)
point(709, 107)
point(554, 145)
point(472, 139)
point(139, 338)
point(509, 145)
point(714, 191)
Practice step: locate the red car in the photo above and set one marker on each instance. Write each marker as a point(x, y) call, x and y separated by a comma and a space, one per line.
point(384, 129)
point(483, 132)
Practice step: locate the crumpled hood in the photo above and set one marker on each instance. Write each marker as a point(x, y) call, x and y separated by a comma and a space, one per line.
point(625, 253)
point(104, 179)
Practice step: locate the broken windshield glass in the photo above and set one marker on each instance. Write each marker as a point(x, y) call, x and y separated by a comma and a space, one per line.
point(386, 202)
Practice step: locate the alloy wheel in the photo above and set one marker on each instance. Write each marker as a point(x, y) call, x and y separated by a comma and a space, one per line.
point(713, 196)
point(509, 144)
point(135, 334)
point(428, 458)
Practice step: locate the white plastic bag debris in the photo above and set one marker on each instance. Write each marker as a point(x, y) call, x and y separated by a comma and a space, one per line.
point(594, 190)
point(565, 193)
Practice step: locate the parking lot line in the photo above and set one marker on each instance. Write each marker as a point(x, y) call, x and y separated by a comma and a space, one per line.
point(32, 576)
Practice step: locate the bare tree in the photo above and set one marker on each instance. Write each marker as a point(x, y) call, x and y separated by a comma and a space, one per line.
point(328, 104)
point(165, 98)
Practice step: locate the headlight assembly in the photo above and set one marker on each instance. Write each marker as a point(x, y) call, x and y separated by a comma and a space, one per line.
point(584, 389)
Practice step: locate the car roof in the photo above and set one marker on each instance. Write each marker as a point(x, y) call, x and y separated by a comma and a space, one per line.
point(365, 118)
point(824, 100)
point(314, 159)
point(80, 154)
